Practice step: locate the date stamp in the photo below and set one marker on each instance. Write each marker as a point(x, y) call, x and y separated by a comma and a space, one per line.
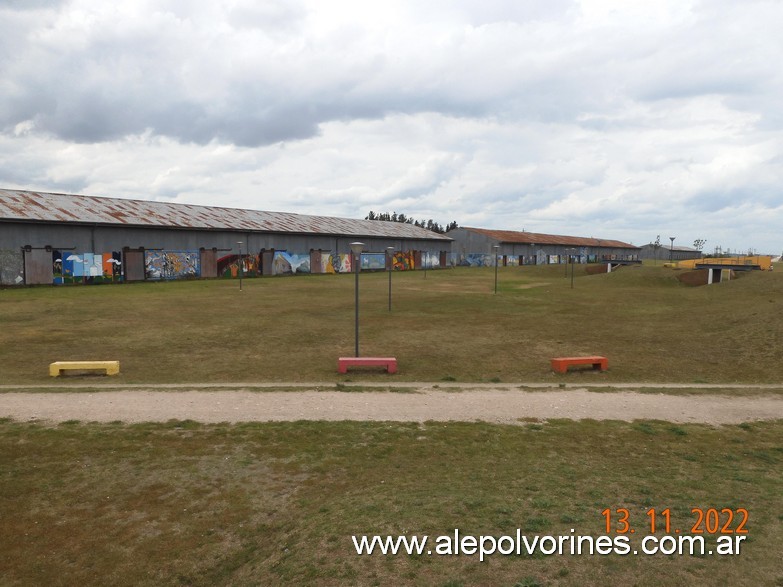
point(702, 521)
point(727, 527)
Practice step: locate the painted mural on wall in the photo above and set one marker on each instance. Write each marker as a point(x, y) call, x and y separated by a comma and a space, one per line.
point(11, 267)
point(86, 267)
point(286, 263)
point(476, 260)
point(403, 261)
point(373, 261)
point(430, 260)
point(333, 263)
point(512, 261)
point(172, 264)
point(228, 266)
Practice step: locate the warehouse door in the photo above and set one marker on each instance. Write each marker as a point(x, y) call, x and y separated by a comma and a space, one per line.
point(208, 263)
point(133, 264)
point(38, 266)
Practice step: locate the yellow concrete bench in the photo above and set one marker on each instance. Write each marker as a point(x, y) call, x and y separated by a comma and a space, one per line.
point(111, 367)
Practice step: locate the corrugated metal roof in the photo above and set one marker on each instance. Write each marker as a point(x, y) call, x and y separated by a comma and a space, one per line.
point(527, 238)
point(49, 207)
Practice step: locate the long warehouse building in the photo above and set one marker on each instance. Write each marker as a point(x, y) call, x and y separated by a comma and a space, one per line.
point(50, 238)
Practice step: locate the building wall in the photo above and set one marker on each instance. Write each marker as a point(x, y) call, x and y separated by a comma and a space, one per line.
point(475, 249)
point(154, 253)
point(664, 253)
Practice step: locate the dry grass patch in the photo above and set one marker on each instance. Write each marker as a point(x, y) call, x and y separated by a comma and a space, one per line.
point(276, 504)
point(651, 327)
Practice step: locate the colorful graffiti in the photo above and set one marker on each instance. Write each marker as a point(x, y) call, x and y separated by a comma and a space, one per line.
point(11, 267)
point(332, 263)
point(286, 263)
point(171, 264)
point(228, 266)
point(403, 261)
point(84, 267)
point(476, 260)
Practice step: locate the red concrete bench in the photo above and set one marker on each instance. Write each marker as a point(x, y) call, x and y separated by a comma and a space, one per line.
point(561, 364)
point(389, 362)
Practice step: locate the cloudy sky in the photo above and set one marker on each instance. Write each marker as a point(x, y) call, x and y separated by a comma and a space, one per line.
point(621, 119)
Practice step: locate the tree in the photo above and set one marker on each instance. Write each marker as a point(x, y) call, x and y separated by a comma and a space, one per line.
point(656, 246)
point(428, 224)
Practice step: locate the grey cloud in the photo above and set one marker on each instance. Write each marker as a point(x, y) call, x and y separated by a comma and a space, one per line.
point(26, 5)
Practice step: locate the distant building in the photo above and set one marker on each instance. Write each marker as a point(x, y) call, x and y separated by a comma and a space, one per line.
point(474, 246)
point(666, 252)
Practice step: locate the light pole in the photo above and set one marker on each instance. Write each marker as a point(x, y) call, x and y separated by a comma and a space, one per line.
point(671, 249)
point(356, 249)
point(240, 265)
point(390, 260)
point(571, 260)
point(495, 250)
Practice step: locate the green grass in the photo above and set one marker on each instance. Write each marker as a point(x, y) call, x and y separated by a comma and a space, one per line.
point(448, 326)
point(184, 503)
point(276, 504)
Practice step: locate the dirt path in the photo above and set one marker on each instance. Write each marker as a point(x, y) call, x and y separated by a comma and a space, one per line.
point(482, 403)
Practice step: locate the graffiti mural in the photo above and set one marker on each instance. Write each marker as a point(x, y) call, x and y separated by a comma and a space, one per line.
point(172, 264)
point(286, 263)
point(228, 266)
point(332, 263)
point(512, 261)
point(430, 260)
point(84, 267)
point(373, 261)
point(476, 260)
point(403, 261)
point(11, 267)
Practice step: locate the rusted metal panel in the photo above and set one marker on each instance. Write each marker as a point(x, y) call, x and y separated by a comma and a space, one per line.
point(208, 263)
point(133, 262)
point(49, 207)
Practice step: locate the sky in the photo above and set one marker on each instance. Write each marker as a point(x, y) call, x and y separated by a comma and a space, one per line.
point(625, 119)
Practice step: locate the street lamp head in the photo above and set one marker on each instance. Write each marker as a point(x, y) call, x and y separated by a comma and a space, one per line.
point(357, 248)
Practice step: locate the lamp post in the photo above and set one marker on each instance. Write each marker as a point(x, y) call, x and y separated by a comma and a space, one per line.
point(390, 260)
point(570, 259)
point(495, 250)
point(356, 249)
point(241, 268)
point(671, 249)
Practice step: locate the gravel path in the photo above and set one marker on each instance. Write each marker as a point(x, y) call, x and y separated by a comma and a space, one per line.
point(462, 403)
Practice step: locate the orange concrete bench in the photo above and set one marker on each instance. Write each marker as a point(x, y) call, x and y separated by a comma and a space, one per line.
point(389, 362)
point(561, 364)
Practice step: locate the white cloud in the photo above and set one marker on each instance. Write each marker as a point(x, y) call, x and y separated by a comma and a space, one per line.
point(627, 119)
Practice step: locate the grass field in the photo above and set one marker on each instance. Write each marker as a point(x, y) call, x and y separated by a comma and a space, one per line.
point(277, 504)
point(184, 503)
point(446, 326)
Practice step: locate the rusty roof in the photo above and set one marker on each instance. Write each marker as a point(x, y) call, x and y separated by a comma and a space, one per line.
point(528, 238)
point(28, 206)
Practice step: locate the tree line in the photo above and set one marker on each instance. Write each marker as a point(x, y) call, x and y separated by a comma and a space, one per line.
point(428, 224)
